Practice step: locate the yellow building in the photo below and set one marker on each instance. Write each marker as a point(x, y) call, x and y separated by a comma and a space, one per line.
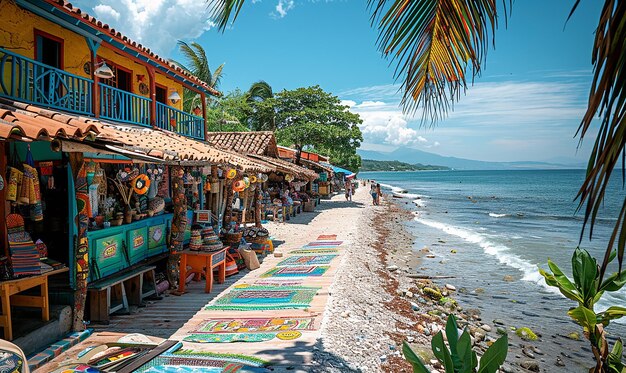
point(54, 55)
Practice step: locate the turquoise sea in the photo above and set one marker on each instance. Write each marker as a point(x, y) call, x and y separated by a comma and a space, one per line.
point(506, 223)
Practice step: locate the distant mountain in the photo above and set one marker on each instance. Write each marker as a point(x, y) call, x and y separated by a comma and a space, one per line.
point(371, 165)
point(413, 156)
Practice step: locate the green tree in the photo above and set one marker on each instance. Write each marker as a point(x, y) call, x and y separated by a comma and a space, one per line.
point(230, 112)
point(197, 63)
point(312, 119)
point(439, 45)
point(263, 117)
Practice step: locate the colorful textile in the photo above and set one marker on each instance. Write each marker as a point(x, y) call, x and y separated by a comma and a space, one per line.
point(314, 251)
point(299, 271)
point(327, 237)
point(189, 361)
point(229, 337)
point(265, 298)
point(255, 325)
point(300, 260)
point(324, 243)
point(278, 282)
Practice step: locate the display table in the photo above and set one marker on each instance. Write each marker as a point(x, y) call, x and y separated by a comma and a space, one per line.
point(9, 295)
point(202, 262)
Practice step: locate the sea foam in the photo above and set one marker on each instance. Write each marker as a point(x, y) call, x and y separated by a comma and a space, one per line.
point(500, 252)
point(494, 215)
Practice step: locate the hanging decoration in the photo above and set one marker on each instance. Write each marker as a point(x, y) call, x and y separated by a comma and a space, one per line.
point(289, 178)
point(239, 186)
point(246, 181)
point(230, 174)
point(141, 184)
point(1, 183)
point(252, 179)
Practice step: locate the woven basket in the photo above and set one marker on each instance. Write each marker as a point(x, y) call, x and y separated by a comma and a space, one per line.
point(257, 240)
point(231, 238)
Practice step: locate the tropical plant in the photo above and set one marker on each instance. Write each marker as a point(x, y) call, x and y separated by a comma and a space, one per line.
point(434, 42)
point(459, 358)
point(312, 119)
point(197, 63)
point(586, 288)
point(264, 118)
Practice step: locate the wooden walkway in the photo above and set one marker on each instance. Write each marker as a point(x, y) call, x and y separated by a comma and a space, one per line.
point(162, 318)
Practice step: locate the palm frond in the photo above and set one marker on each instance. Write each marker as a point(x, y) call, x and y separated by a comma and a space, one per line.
point(607, 98)
point(221, 11)
point(217, 76)
point(433, 42)
point(260, 90)
point(194, 61)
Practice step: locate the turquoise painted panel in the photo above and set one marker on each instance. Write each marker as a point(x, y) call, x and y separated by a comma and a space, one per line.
point(156, 237)
point(137, 244)
point(109, 254)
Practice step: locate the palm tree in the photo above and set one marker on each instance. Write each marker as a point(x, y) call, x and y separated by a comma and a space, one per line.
point(258, 93)
point(435, 42)
point(197, 64)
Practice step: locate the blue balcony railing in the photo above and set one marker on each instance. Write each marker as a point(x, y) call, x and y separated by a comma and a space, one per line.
point(33, 82)
point(122, 106)
point(175, 120)
point(26, 80)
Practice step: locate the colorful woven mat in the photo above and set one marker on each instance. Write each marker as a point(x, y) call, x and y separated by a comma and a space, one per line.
point(265, 298)
point(327, 237)
point(305, 260)
point(189, 361)
point(314, 251)
point(228, 338)
point(277, 282)
point(325, 243)
point(255, 325)
point(299, 271)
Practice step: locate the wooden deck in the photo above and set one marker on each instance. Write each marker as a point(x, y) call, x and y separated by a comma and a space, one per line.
point(162, 318)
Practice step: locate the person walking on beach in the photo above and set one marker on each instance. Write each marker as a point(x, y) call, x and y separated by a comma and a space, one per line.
point(348, 190)
point(374, 193)
point(379, 193)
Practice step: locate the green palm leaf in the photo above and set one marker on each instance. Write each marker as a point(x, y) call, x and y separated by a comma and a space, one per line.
point(433, 43)
point(607, 98)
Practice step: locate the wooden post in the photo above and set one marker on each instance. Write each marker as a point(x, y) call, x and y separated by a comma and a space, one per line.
point(228, 200)
point(258, 203)
point(81, 249)
point(95, 92)
point(4, 211)
point(203, 98)
point(152, 78)
point(179, 224)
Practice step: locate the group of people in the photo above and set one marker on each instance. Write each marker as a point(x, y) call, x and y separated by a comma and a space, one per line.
point(375, 192)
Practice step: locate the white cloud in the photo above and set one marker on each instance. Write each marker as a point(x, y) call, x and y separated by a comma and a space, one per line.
point(106, 11)
point(282, 8)
point(157, 24)
point(500, 121)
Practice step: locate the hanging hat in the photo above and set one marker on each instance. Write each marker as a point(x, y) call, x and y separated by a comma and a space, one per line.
point(264, 178)
point(239, 186)
point(289, 177)
point(230, 174)
point(252, 179)
point(141, 184)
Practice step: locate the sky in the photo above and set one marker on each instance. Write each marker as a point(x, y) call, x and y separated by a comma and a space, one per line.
point(526, 105)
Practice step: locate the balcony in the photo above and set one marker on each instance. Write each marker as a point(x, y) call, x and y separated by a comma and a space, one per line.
point(35, 83)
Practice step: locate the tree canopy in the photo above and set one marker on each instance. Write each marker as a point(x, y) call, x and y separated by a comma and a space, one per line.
point(313, 120)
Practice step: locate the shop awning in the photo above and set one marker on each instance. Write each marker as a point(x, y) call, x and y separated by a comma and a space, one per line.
point(27, 122)
point(298, 172)
point(337, 169)
point(318, 165)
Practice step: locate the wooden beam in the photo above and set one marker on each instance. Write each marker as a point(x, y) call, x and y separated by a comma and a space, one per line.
point(203, 98)
point(152, 77)
point(5, 206)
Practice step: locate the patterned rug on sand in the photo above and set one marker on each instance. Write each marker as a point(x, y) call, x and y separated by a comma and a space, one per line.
point(265, 298)
point(306, 260)
point(299, 271)
point(327, 237)
point(314, 250)
point(255, 325)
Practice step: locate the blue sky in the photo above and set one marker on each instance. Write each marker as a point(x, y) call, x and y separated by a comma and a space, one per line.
point(526, 105)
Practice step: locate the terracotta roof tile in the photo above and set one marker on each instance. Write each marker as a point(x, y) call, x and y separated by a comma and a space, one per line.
point(260, 142)
point(68, 8)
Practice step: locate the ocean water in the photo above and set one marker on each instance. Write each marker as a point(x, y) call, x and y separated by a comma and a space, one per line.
point(506, 223)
